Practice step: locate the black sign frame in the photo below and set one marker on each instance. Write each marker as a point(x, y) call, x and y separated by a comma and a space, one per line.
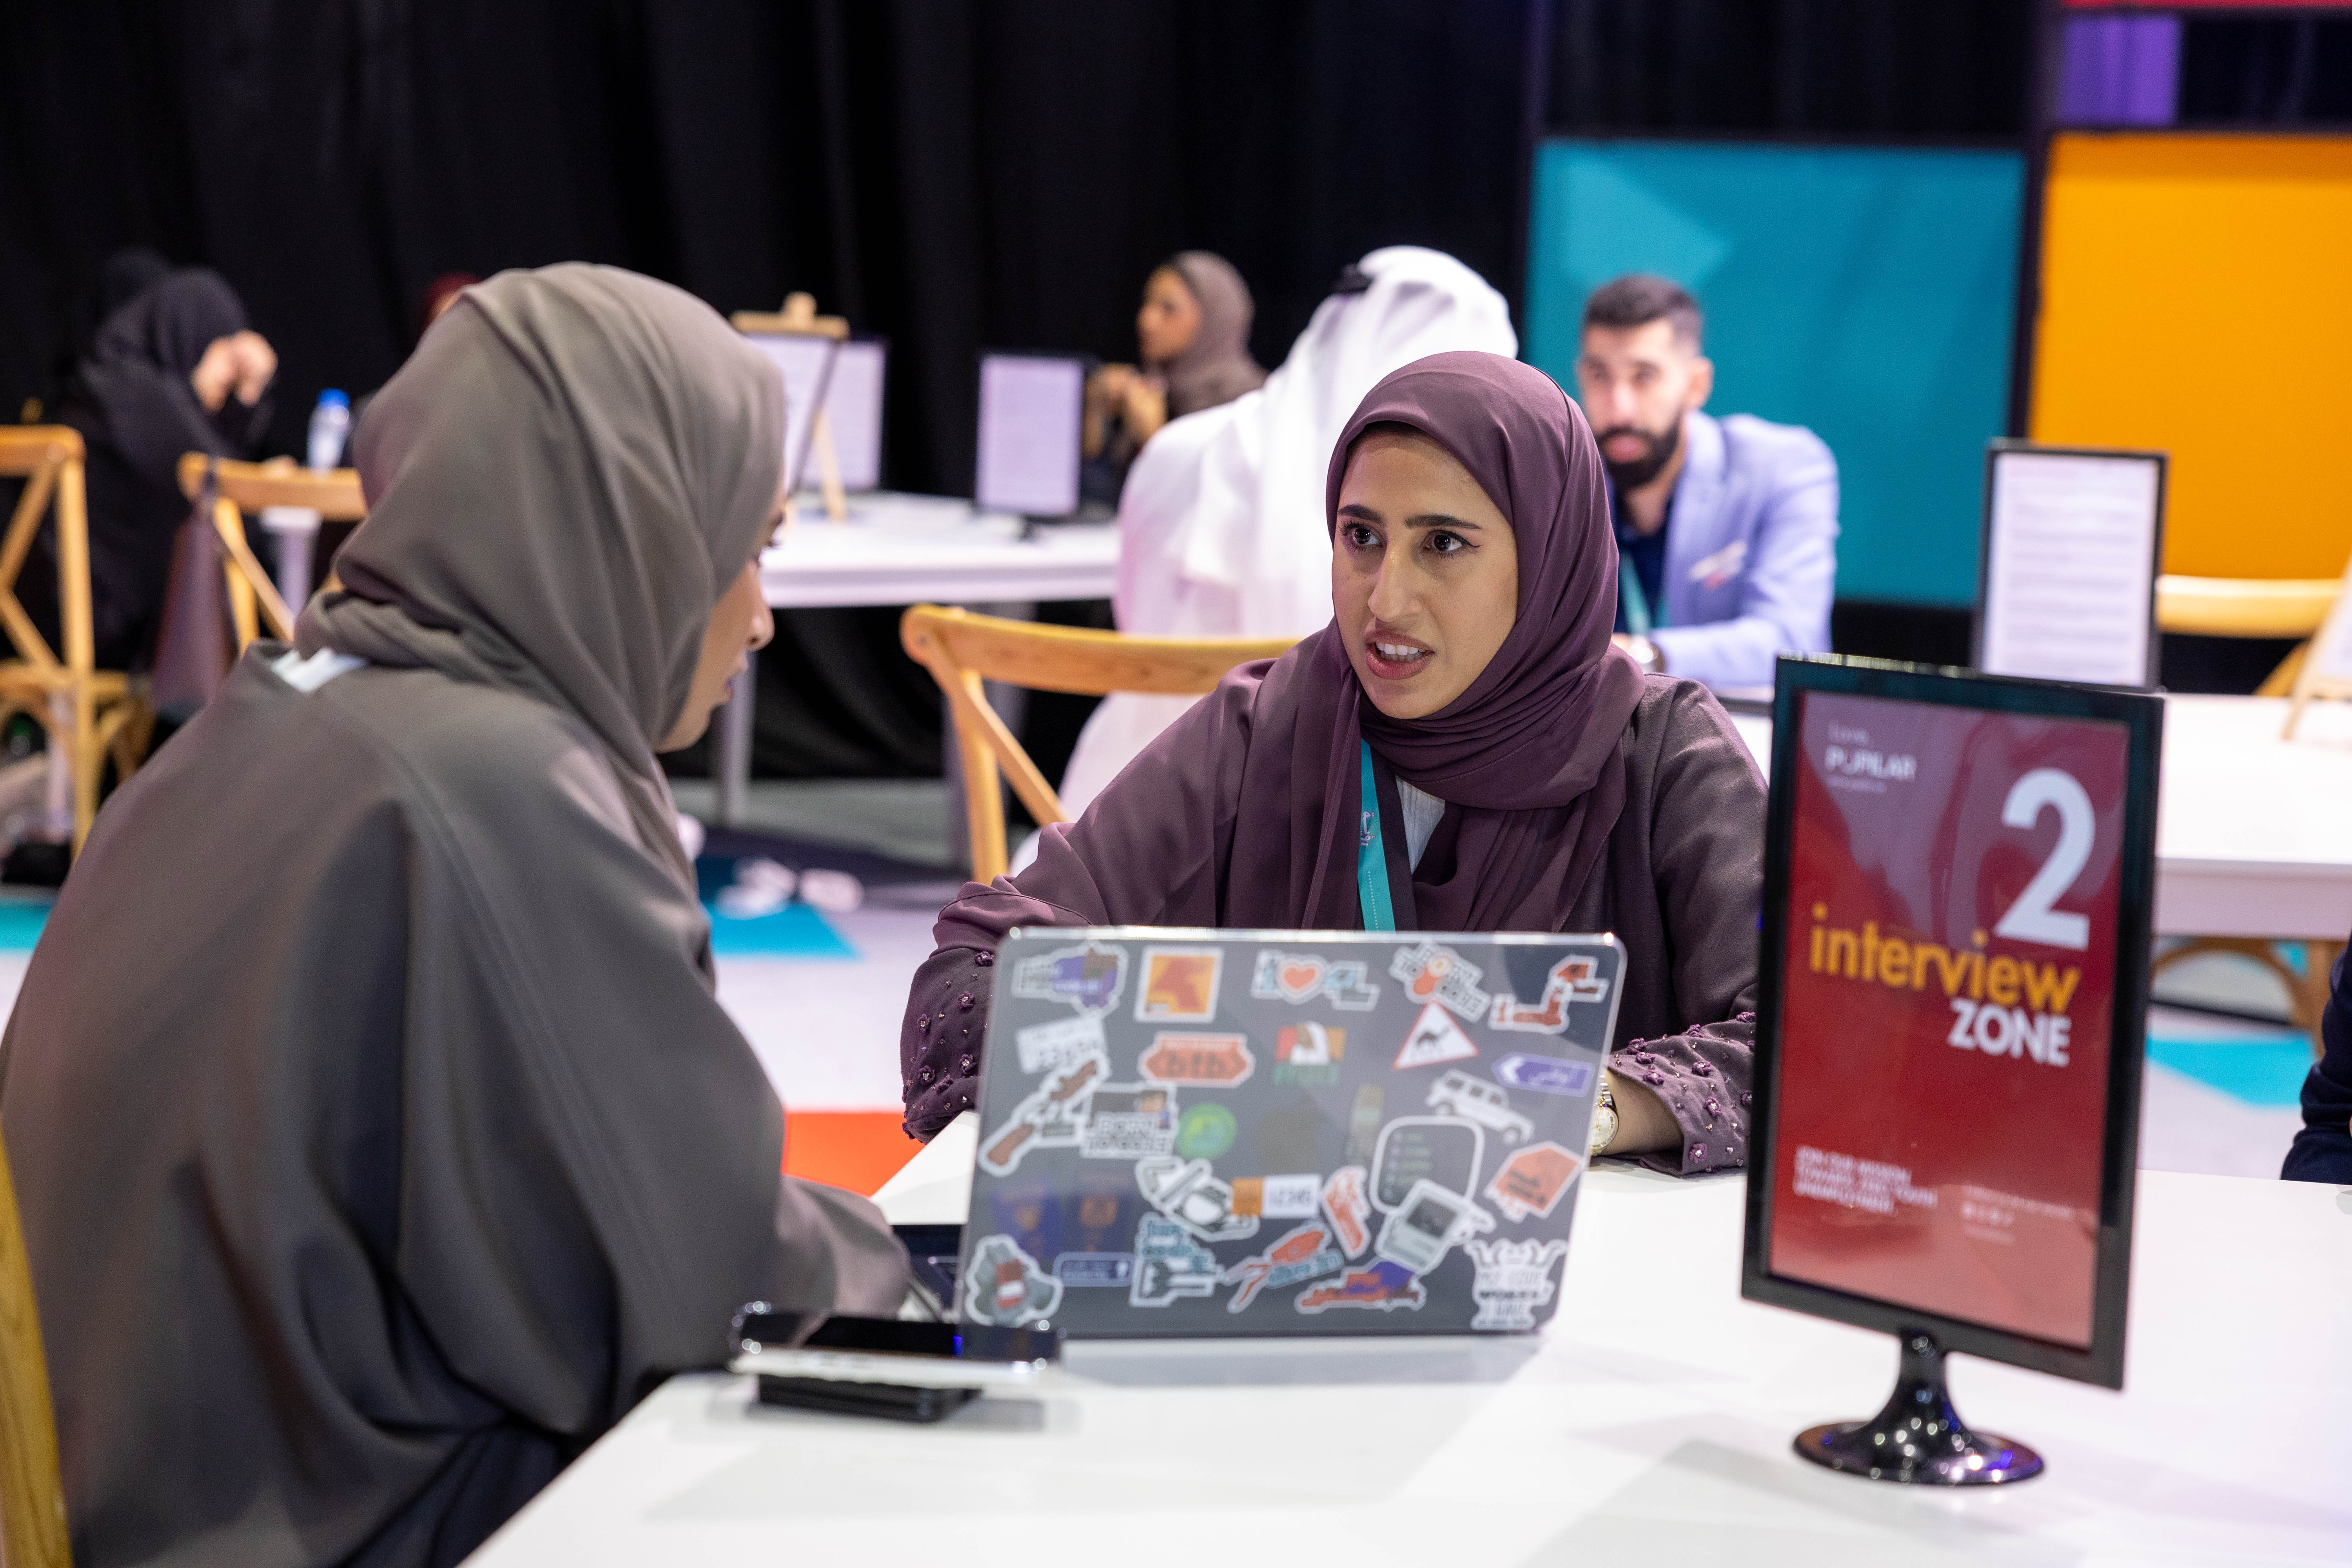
point(2142, 715)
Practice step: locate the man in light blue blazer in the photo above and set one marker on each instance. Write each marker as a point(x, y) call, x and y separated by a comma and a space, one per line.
point(1726, 530)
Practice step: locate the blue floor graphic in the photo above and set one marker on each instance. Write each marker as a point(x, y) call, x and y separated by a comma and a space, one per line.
point(2259, 1071)
point(20, 924)
point(795, 930)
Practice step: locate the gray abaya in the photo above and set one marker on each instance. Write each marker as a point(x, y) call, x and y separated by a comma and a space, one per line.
point(379, 1138)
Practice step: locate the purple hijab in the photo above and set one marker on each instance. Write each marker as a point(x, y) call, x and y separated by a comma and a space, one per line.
point(1245, 813)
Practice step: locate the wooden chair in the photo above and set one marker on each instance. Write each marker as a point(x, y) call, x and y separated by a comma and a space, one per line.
point(2248, 608)
point(2257, 607)
point(243, 488)
point(31, 1493)
point(961, 649)
point(86, 711)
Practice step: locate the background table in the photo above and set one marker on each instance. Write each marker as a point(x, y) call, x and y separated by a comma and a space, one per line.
point(1650, 1422)
point(897, 549)
point(2253, 834)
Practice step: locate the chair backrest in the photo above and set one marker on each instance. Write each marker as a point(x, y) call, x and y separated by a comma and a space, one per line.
point(2248, 608)
point(48, 459)
point(31, 1493)
point(962, 650)
point(244, 487)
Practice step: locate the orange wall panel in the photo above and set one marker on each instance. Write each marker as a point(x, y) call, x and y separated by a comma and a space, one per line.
point(2197, 299)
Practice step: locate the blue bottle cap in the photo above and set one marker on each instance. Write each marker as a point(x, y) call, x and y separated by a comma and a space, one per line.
point(334, 397)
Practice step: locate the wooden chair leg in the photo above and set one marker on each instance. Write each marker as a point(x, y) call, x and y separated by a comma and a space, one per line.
point(983, 796)
point(127, 728)
point(88, 759)
point(2306, 988)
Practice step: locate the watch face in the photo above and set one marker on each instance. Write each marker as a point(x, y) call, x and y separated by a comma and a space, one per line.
point(1604, 1127)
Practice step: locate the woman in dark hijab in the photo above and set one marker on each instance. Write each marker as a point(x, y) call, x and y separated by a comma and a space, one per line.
point(173, 369)
point(1524, 776)
point(379, 1138)
point(1194, 333)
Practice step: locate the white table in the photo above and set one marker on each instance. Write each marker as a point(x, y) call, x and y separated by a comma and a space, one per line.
point(897, 549)
point(1651, 1422)
point(2253, 834)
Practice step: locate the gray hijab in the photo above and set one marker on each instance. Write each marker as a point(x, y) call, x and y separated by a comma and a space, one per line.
point(561, 482)
point(1215, 366)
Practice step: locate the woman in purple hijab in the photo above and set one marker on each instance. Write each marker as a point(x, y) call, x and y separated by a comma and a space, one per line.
point(1525, 776)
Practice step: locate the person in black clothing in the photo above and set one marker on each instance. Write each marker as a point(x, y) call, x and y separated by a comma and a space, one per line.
point(2322, 1151)
point(172, 368)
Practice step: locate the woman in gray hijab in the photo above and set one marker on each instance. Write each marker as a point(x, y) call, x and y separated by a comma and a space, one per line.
point(1193, 331)
point(379, 1138)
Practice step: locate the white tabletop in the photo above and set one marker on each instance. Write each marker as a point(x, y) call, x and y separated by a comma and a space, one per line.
point(897, 549)
point(2253, 833)
point(1651, 1422)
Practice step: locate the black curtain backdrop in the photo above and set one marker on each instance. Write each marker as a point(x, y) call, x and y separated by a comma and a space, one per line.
point(955, 176)
point(952, 175)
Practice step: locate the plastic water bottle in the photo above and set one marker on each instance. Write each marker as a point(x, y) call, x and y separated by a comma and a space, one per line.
point(331, 423)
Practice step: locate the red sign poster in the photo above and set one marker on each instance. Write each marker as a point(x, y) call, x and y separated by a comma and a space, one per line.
point(1954, 879)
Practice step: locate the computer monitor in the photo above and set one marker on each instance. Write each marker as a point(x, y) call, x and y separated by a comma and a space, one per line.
point(2073, 540)
point(853, 405)
point(1030, 406)
point(1959, 878)
point(807, 364)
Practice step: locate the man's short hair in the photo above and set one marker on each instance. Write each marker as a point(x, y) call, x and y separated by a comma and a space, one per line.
point(1640, 297)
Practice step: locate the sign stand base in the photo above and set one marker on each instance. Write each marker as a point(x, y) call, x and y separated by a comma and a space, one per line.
point(1918, 1437)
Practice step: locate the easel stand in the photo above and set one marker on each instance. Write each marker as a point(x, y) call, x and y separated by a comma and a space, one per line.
point(1918, 1437)
point(799, 317)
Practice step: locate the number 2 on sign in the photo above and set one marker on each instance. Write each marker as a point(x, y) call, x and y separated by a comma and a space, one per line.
point(2031, 918)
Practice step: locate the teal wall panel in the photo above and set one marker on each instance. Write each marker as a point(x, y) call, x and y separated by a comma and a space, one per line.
point(1868, 293)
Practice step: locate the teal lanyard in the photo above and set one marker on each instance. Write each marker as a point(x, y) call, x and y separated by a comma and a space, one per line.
point(1372, 857)
point(1636, 603)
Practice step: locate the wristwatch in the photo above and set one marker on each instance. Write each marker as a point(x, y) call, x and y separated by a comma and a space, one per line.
point(1605, 1119)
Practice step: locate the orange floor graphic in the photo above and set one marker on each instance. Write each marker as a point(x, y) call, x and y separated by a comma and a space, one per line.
point(859, 1149)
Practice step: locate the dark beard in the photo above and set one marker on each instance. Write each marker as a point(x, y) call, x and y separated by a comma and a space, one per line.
point(1659, 448)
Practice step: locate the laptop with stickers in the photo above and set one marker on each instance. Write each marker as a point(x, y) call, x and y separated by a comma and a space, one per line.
point(1208, 1132)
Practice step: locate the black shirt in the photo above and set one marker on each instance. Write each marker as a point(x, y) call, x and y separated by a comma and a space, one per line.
point(2322, 1151)
point(1647, 554)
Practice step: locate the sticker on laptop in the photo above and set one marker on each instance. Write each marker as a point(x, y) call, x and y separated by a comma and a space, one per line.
point(1206, 1131)
point(1087, 976)
point(1129, 1120)
point(1381, 1284)
point(1212, 1061)
point(1420, 1232)
point(1092, 1269)
point(1301, 1255)
point(1053, 1117)
point(1006, 1287)
point(1545, 1075)
point(1192, 1195)
point(1348, 1204)
point(1308, 1054)
point(1168, 1264)
point(1179, 985)
point(1304, 976)
point(1528, 1185)
point(1474, 1099)
point(1434, 1038)
point(1574, 979)
point(1278, 1197)
point(1044, 1046)
point(1444, 1149)
point(1514, 1279)
point(1435, 972)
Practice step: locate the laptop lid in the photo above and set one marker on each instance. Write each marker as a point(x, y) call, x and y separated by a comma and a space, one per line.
point(1216, 1133)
